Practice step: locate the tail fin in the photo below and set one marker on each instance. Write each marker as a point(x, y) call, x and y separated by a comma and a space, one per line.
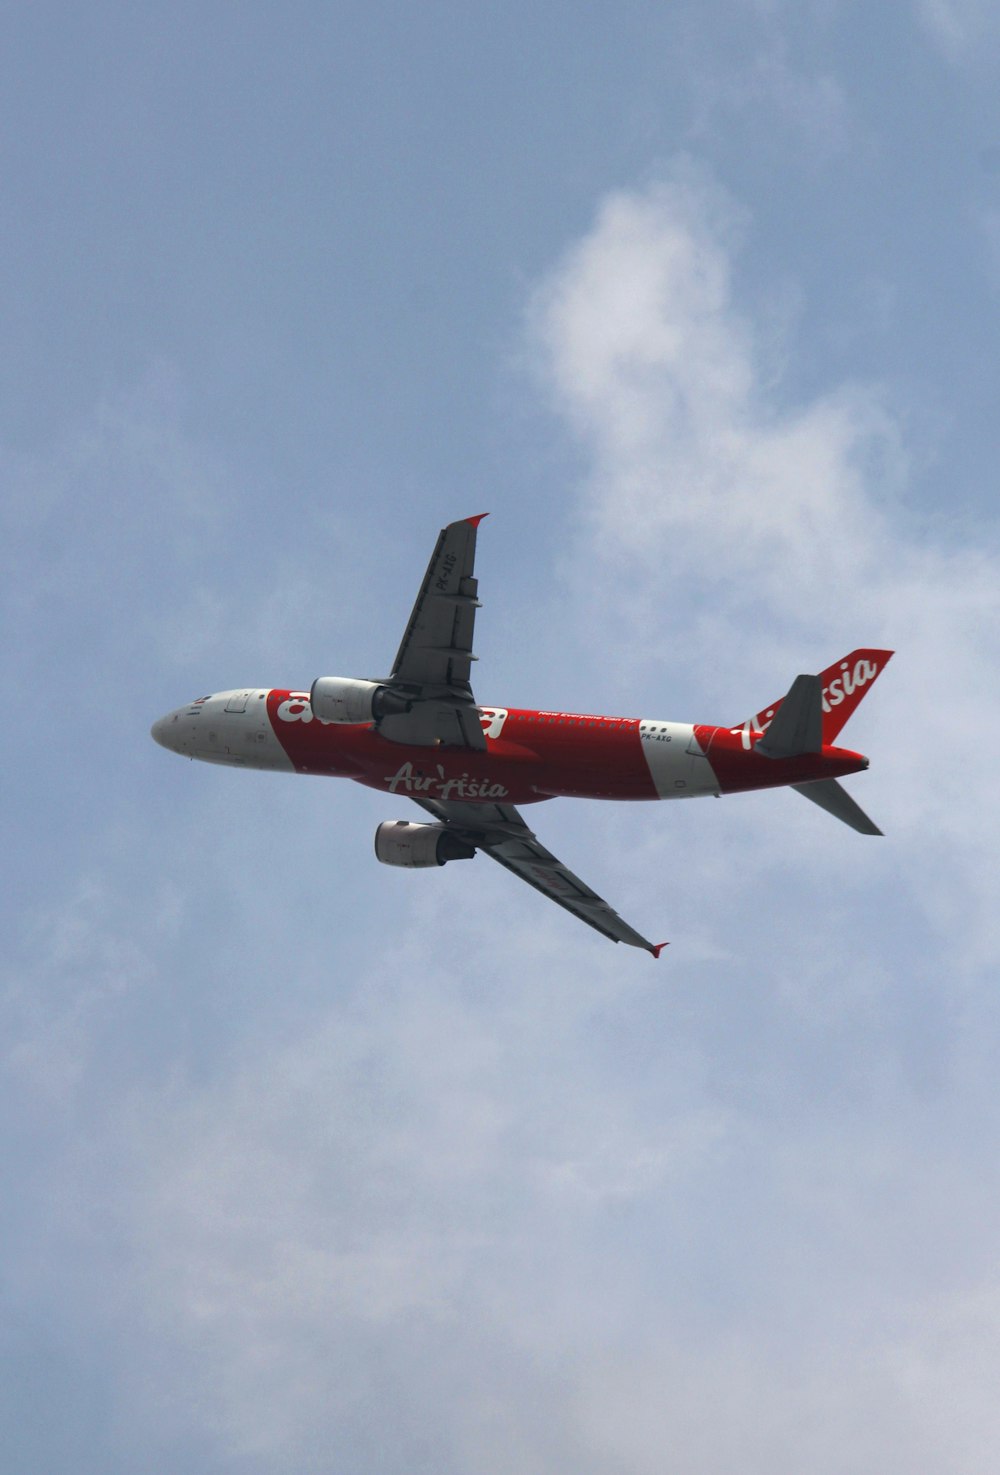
point(797, 726)
point(842, 686)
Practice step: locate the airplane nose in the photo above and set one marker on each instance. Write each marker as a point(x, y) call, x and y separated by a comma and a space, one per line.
point(158, 731)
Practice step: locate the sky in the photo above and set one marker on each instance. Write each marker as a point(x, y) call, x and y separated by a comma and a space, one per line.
point(313, 1166)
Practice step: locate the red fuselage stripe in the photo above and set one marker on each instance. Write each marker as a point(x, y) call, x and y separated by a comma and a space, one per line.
point(536, 755)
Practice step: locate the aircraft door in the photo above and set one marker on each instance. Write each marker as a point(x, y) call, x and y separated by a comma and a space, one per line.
point(701, 741)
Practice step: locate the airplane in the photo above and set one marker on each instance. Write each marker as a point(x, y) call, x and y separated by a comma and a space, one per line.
point(420, 733)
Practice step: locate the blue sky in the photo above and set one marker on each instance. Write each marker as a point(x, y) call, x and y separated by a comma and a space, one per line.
point(316, 1166)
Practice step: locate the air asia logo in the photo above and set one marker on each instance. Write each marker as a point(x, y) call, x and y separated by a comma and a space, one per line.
point(295, 708)
point(492, 719)
point(848, 682)
point(407, 780)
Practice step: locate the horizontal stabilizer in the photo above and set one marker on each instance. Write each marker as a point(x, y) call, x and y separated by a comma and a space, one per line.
point(828, 794)
point(798, 724)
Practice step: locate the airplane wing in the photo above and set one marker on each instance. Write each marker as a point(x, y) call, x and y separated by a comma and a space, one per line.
point(433, 664)
point(499, 831)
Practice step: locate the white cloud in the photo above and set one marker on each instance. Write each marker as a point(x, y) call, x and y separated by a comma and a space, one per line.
point(63, 985)
point(438, 1221)
point(460, 1186)
point(404, 1198)
point(961, 28)
point(524, 1201)
point(767, 79)
point(767, 536)
point(651, 361)
point(886, 1397)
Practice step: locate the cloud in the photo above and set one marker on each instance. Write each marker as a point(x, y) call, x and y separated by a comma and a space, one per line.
point(658, 372)
point(446, 1224)
point(766, 79)
point(509, 1198)
point(116, 514)
point(77, 961)
point(767, 533)
point(399, 1207)
point(889, 1398)
point(460, 1186)
point(960, 28)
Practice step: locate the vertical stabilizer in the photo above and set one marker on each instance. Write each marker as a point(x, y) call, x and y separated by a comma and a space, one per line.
point(842, 685)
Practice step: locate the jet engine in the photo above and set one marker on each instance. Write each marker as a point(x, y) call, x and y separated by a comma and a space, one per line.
point(401, 842)
point(343, 699)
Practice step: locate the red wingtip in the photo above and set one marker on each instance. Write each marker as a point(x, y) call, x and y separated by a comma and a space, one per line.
point(657, 948)
point(475, 521)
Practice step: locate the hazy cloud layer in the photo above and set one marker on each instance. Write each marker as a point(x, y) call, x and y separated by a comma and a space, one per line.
point(494, 1198)
point(961, 27)
point(763, 537)
point(314, 1166)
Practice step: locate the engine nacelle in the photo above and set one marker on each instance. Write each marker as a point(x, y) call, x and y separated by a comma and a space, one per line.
point(403, 842)
point(344, 699)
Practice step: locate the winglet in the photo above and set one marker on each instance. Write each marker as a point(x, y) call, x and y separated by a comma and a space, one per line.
point(475, 521)
point(656, 948)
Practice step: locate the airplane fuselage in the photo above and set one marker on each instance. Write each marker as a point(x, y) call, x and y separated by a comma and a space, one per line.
point(530, 755)
point(419, 734)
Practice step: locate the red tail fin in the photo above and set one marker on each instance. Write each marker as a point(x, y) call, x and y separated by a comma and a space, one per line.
point(844, 685)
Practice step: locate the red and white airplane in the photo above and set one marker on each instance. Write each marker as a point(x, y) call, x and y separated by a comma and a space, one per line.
point(419, 732)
